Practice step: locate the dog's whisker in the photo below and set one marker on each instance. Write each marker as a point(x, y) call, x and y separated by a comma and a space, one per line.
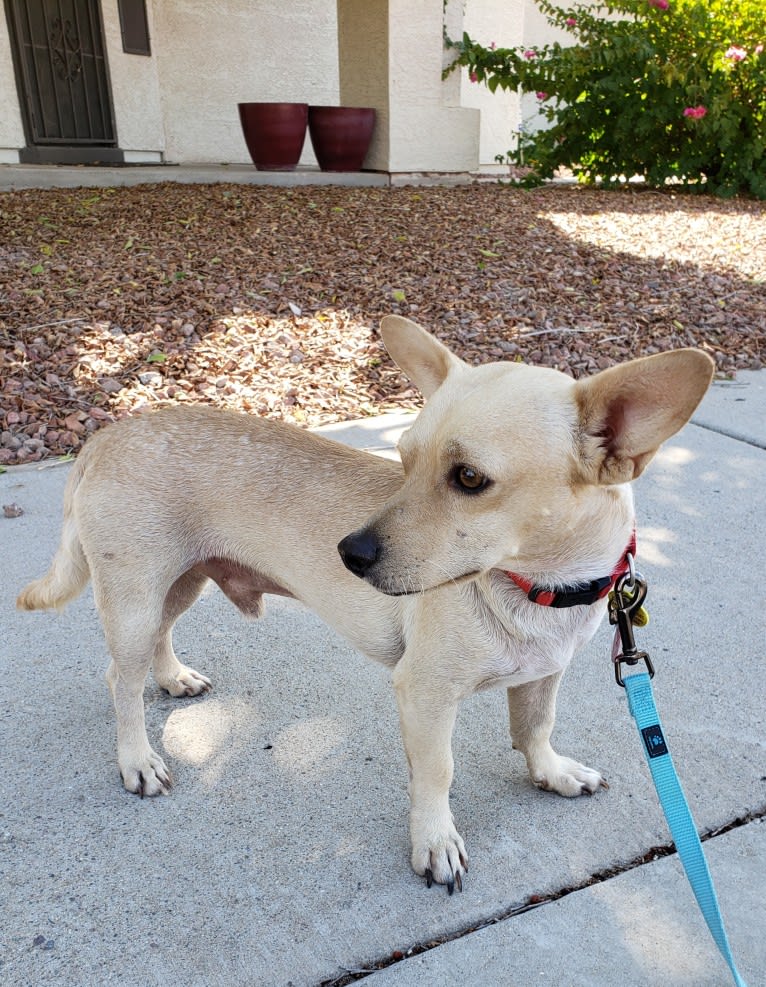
point(442, 570)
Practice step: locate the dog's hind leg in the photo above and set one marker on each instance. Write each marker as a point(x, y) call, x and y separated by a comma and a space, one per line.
point(532, 708)
point(131, 613)
point(170, 674)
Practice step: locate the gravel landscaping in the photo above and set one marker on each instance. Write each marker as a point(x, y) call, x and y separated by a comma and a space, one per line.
point(267, 300)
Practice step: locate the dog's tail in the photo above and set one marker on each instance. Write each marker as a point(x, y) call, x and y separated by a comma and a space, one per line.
point(69, 572)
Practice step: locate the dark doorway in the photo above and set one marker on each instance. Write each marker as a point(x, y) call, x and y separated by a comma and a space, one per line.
point(63, 81)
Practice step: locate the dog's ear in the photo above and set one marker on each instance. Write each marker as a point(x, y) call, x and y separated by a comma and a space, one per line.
point(420, 355)
point(628, 411)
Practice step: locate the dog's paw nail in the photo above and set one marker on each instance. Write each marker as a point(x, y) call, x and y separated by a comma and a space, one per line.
point(604, 783)
point(459, 881)
point(450, 885)
point(429, 877)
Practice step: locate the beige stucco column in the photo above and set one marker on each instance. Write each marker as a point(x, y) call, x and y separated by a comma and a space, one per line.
point(390, 57)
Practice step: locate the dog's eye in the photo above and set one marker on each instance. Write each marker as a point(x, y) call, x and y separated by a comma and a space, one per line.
point(468, 479)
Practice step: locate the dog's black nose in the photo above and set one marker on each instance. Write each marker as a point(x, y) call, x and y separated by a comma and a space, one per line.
point(359, 551)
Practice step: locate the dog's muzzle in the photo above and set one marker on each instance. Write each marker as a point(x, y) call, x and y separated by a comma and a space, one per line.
point(360, 551)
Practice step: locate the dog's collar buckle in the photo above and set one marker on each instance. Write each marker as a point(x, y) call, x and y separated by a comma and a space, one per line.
point(579, 594)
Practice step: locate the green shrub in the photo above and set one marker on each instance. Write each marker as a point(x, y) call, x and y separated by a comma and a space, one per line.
point(664, 89)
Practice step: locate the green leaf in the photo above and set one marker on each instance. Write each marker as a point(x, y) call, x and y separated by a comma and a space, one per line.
point(622, 83)
point(398, 295)
point(37, 269)
point(157, 357)
point(488, 253)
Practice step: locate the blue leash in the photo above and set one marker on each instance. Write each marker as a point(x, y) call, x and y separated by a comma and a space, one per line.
point(677, 812)
point(628, 596)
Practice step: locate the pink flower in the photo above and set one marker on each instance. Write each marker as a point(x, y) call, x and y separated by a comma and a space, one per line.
point(758, 49)
point(473, 77)
point(659, 4)
point(492, 46)
point(571, 21)
point(695, 112)
point(541, 96)
point(735, 54)
point(529, 54)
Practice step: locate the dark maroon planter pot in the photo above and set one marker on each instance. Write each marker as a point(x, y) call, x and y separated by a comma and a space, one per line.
point(341, 136)
point(274, 133)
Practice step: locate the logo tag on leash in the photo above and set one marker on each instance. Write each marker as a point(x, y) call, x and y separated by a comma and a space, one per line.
point(654, 741)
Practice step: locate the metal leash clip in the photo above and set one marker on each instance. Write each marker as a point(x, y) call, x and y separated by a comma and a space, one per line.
point(625, 611)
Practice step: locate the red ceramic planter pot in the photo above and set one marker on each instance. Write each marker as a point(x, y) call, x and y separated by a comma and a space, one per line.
point(341, 135)
point(274, 133)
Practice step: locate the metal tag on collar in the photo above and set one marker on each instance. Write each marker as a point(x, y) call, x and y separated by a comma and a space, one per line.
point(625, 603)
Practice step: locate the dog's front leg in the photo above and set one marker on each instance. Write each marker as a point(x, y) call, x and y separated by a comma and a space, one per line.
point(173, 676)
point(532, 708)
point(427, 711)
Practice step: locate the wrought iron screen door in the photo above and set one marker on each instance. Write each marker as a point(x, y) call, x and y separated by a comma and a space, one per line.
point(63, 80)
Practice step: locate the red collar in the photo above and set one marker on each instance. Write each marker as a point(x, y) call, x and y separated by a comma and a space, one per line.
point(576, 594)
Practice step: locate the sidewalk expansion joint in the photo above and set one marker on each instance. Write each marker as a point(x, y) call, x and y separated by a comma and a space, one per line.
point(350, 976)
point(727, 433)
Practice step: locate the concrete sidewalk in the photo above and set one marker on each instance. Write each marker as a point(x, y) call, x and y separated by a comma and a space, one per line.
point(25, 176)
point(281, 856)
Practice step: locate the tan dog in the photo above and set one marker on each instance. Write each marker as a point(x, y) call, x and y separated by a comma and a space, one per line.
point(515, 486)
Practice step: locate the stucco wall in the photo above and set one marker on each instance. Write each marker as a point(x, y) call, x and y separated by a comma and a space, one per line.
point(363, 62)
point(11, 127)
point(391, 57)
point(135, 92)
point(501, 21)
point(212, 56)
point(427, 134)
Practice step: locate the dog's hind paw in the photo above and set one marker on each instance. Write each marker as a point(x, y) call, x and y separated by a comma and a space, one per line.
point(186, 682)
point(149, 778)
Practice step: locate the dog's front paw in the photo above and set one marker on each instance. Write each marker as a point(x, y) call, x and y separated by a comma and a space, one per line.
point(567, 777)
point(186, 682)
point(146, 776)
point(438, 854)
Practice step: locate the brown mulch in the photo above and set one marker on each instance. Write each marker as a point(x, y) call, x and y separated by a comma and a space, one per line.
point(266, 300)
